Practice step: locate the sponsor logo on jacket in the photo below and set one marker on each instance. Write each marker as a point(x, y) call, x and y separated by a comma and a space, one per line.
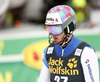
point(89, 69)
point(56, 66)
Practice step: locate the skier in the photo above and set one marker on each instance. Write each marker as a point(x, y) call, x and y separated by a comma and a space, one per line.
point(67, 58)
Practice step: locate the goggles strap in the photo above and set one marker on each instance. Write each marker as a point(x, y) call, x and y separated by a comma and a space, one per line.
point(49, 39)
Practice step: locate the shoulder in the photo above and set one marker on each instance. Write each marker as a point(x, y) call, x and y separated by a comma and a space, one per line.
point(88, 52)
point(44, 52)
point(44, 57)
point(89, 48)
point(48, 47)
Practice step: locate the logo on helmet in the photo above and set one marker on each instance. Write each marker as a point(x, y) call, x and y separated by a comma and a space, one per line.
point(56, 20)
point(52, 19)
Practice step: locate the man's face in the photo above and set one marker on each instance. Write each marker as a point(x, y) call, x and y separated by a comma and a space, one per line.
point(58, 38)
point(56, 32)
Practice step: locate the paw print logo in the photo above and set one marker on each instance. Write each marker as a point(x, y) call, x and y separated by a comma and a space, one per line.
point(72, 63)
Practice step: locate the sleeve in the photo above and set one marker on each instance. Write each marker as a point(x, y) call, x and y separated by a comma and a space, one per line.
point(45, 73)
point(90, 66)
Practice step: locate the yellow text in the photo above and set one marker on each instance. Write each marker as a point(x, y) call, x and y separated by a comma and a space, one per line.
point(7, 78)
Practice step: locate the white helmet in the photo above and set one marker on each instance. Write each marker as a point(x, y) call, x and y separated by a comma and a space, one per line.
point(61, 15)
point(64, 16)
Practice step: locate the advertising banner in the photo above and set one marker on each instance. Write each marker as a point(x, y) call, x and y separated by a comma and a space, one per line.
point(21, 59)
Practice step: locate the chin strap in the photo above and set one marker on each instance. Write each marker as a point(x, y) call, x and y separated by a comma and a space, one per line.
point(65, 41)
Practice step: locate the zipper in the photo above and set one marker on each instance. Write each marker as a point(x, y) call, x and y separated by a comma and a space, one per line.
point(62, 52)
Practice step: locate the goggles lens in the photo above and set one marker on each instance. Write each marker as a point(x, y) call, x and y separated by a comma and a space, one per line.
point(54, 29)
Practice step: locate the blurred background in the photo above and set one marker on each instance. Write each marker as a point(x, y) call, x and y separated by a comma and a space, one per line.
point(23, 36)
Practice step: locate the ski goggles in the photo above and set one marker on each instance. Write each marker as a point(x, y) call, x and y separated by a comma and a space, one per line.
point(54, 29)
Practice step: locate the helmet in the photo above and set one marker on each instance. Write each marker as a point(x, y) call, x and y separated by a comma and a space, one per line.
point(62, 15)
point(60, 19)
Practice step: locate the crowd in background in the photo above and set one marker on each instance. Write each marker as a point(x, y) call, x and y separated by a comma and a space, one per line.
point(14, 12)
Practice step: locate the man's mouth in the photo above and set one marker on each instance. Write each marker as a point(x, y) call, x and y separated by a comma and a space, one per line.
point(55, 39)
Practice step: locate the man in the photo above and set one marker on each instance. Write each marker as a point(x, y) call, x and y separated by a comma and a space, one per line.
point(67, 59)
